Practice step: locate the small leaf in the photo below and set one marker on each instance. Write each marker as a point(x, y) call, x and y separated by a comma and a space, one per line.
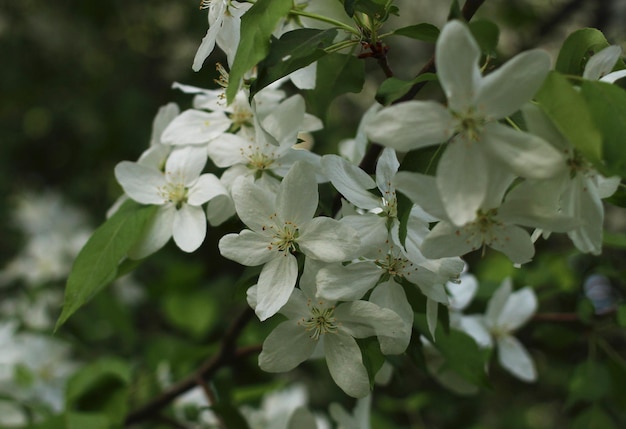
point(425, 32)
point(97, 263)
point(336, 75)
point(486, 34)
point(393, 88)
point(455, 11)
point(591, 382)
point(578, 48)
point(607, 104)
point(100, 387)
point(567, 108)
point(404, 210)
point(376, 9)
point(257, 25)
point(294, 50)
point(373, 358)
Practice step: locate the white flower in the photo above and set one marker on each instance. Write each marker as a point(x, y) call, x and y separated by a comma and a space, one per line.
point(600, 65)
point(311, 320)
point(477, 142)
point(358, 419)
point(281, 225)
point(506, 312)
point(224, 25)
point(576, 192)
point(179, 191)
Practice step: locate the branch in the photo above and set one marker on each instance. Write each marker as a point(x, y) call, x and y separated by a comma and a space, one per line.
point(227, 355)
point(556, 317)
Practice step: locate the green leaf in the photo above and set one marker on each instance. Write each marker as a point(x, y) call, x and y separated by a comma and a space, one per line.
point(97, 263)
point(614, 239)
point(294, 50)
point(193, 312)
point(455, 11)
point(607, 104)
point(592, 418)
point(567, 108)
point(486, 34)
point(404, 210)
point(87, 420)
point(425, 32)
point(230, 415)
point(336, 75)
point(373, 358)
point(376, 9)
point(461, 352)
point(100, 387)
point(578, 48)
point(257, 25)
point(621, 316)
point(591, 382)
point(393, 88)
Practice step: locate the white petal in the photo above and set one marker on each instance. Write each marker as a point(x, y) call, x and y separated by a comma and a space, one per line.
point(157, 232)
point(372, 230)
point(602, 62)
point(519, 308)
point(228, 149)
point(141, 183)
point(185, 164)
point(345, 363)
point(208, 42)
point(284, 121)
point(474, 326)
point(298, 197)
point(456, 57)
point(351, 182)
point(347, 283)
point(422, 190)
point(446, 239)
point(461, 187)
point(247, 248)
point(301, 418)
point(503, 92)
point(195, 127)
point(613, 77)
point(386, 169)
point(305, 77)
point(462, 293)
point(391, 295)
point(220, 209)
point(362, 319)
point(206, 188)
point(432, 309)
point(164, 116)
point(581, 201)
point(254, 204)
point(514, 242)
point(527, 155)
point(513, 357)
point(189, 227)
point(286, 347)
point(411, 125)
point(275, 284)
point(498, 300)
point(329, 240)
point(296, 307)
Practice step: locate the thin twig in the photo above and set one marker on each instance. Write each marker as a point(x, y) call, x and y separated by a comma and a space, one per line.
point(227, 355)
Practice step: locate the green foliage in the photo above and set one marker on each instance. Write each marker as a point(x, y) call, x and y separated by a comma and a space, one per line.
point(376, 9)
point(455, 11)
point(373, 359)
point(336, 74)
point(230, 415)
point(592, 418)
point(294, 50)
point(607, 105)
point(578, 48)
point(72, 420)
point(566, 107)
point(486, 34)
point(193, 312)
point(97, 263)
point(257, 26)
point(591, 382)
point(424, 32)
point(101, 387)
point(393, 88)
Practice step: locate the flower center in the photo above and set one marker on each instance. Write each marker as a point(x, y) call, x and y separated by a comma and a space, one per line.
point(321, 321)
point(284, 238)
point(577, 164)
point(257, 158)
point(470, 124)
point(174, 192)
point(394, 264)
point(483, 229)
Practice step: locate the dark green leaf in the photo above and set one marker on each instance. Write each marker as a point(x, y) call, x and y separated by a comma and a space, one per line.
point(425, 32)
point(618, 198)
point(607, 104)
point(461, 352)
point(336, 74)
point(591, 382)
point(97, 263)
point(404, 210)
point(193, 312)
point(294, 50)
point(592, 418)
point(230, 415)
point(376, 9)
point(455, 11)
point(373, 358)
point(621, 315)
point(87, 420)
point(578, 48)
point(567, 108)
point(257, 25)
point(393, 88)
point(100, 387)
point(486, 34)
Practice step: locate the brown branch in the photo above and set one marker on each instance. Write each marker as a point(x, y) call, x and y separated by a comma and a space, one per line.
point(227, 355)
point(556, 317)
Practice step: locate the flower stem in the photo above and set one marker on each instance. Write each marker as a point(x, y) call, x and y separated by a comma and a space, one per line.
point(326, 19)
